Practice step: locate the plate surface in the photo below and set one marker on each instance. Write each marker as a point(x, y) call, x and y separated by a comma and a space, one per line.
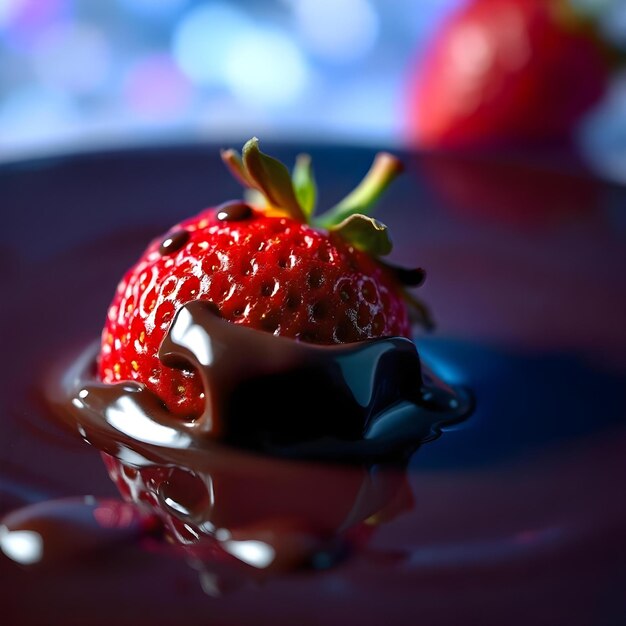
point(515, 516)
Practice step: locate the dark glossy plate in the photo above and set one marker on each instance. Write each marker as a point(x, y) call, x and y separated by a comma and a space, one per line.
point(515, 516)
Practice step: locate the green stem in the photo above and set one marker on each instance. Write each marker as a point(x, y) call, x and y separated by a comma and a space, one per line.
point(384, 170)
point(272, 178)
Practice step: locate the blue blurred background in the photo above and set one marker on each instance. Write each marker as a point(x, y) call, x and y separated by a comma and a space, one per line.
point(79, 74)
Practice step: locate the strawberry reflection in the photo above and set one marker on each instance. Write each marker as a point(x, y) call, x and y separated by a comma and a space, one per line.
point(246, 516)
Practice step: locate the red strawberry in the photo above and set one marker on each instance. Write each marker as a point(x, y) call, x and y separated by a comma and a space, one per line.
point(507, 70)
point(264, 267)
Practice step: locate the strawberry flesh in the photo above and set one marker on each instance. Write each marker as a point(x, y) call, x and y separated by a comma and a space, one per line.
point(274, 274)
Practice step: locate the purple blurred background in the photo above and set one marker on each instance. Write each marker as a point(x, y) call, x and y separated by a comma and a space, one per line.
point(82, 74)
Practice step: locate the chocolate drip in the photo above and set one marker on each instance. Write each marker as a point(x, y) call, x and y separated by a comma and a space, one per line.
point(347, 402)
point(234, 211)
point(174, 242)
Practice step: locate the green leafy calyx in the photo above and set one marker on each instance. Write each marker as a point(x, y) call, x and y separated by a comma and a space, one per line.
point(270, 186)
point(295, 194)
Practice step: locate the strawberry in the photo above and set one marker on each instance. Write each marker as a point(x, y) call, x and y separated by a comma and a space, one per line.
point(269, 265)
point(502, 71)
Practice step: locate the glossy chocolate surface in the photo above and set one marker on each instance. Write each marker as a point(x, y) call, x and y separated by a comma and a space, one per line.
point(234, 211)
point(513, 516)
point(174, 242)
point(364, 401)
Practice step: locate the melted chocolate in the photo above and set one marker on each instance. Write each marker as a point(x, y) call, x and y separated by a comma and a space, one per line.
point(358, 401)
point(174, 242)
point(370, 403)
point(234, 211)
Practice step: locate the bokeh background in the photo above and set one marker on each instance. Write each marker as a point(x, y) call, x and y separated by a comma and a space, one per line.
point(84, 74)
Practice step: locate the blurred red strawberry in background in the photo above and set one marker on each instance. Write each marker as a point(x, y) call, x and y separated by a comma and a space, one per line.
point(507, 72)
